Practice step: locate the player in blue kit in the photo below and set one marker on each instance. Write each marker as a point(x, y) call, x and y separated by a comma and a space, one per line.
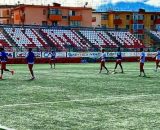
point(142, 61)
point(4, 59)
point(30, 60)
point(118, 60)
point(52, 58)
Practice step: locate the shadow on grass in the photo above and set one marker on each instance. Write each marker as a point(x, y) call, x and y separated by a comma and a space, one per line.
point(147, 77)
point(2, 79)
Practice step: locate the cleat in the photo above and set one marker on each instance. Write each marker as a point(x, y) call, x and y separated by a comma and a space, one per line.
point(114, 72)
point(155, 71)
point(32, 78)
point(12, 72)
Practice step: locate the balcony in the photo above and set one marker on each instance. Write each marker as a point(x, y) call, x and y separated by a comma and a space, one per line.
point(75, 18)
point(157, 21)
point(136, 22)
point(55, 17)
point(139, 31)
point(117, 21)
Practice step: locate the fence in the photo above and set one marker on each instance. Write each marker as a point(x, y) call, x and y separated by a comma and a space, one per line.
point(95, 55)
point(70, 49)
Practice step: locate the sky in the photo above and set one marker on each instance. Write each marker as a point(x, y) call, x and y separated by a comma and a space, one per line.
point(91, 3)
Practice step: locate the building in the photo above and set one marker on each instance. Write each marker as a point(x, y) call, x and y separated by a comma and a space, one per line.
point(136, 22)
point(5, 14)
point(97, 19)
point(52, 15)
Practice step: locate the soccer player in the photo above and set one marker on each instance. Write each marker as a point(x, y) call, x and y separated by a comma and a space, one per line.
point(53, 58)
point(142, 60)
point(118, 60)
point(103, 56)
point(157, 58)
point(4, 59)
point(30, 59)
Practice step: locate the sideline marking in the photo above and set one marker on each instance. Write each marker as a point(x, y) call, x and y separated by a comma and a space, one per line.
point(5, 128)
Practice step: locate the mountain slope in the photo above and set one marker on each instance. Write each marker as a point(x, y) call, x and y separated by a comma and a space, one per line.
point(127, 6)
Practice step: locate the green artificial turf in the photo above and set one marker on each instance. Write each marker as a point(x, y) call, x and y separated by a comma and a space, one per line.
point(77, 97)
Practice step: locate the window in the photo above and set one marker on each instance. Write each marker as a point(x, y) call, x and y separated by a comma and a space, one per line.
point(64, 17)
point(138, 17)
point(44, 12)
point(55, 11)
point(158, 17)
point(116, 26)
point(104, 17)
point(55, 23)
point(127, 26)
point(136, 35)
point(152, 27)
point(128, 17)
point(72, 13)
point(44, 23)
point(7, 21)
point(7, 12)
point(158, 27)
point(138, 26)
point(75, 23)
point(139, 36)
point(135, 16)
point(152, 17)
point(93, 19)
point(103, 25)
point(117, 17)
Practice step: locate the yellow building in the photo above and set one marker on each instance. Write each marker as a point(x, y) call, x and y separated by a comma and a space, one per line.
point(136, 22)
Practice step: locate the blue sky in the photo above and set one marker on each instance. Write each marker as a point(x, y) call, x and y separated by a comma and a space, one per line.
point(131, 5)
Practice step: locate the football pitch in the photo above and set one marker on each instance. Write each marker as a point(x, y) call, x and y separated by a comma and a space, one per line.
point(77, 97)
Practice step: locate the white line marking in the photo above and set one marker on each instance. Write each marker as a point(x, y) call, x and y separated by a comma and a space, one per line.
point(125, 97)
point(5, 128)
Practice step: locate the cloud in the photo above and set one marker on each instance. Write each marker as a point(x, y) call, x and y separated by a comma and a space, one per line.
point(91, 3)
point(155, 3)
point(116, 1)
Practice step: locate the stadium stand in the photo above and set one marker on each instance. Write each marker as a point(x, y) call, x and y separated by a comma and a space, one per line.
point(126, 39)
point(5, 42)
point(62, 38)
point(156, 33)
point(98, 38)
point(26, 37)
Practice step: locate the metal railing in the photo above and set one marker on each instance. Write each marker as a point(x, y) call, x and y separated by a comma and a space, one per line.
point(71, 49)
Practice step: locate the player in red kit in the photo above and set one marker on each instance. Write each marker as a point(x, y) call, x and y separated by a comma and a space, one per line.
point(103, 59)
point(118, 60)
point(53, 58)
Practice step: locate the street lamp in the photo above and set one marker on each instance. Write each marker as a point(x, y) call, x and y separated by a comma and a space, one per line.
point(86, 3)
